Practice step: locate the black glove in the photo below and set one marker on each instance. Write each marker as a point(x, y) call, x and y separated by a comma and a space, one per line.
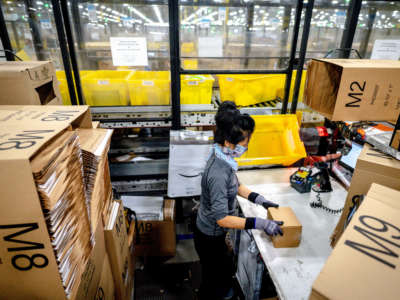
point(269, 226)
point(259, 199)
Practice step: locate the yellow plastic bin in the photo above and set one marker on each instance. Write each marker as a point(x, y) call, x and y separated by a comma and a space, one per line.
point(196, 89)
point(190, 64)
point(149, 87)
point(249, 89)
point(275, 140)
point(281, 90)
point(64, 85)
point(106, 88)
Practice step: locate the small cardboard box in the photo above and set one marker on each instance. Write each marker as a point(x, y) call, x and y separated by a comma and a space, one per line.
point(354, 89)
point(158, 238)
point(106, 287)
point(291, 227)
point(23, 231)
point(29, 83)
point(371, 167)
point(365, 263)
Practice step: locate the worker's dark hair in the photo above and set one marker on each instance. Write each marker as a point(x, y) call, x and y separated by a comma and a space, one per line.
point(232, 126)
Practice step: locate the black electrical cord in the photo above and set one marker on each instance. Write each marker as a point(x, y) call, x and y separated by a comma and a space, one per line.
point(319, 204)
point(9, 51)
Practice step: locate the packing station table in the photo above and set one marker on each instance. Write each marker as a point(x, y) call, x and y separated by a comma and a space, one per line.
point(293, 270)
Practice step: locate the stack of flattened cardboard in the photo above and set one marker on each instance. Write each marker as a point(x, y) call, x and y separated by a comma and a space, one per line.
point(57, 171)
point(45, 236)
point(95, 144)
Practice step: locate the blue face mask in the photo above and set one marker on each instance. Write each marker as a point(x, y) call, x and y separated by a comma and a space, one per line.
point(238, 151)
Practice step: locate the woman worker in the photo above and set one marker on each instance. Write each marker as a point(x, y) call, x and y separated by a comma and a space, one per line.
point(218, 201)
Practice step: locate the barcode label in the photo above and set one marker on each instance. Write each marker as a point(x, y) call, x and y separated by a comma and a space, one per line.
point(193, 83)
point(148, 82)
point(103, 82)
point(229, 79)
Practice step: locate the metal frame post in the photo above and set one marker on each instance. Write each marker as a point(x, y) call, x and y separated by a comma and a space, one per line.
point(303, 50)
point(5, 38)
point(371, 20)
point(175, 63)
point(71, 45)
point(288, 80)
point(33, 24)
point(353, 12)
point(64, 49)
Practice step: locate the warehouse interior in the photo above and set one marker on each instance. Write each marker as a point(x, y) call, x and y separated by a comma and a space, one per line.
point(112, 111)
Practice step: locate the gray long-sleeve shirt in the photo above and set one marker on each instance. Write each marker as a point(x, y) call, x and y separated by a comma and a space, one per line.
point(219, 187)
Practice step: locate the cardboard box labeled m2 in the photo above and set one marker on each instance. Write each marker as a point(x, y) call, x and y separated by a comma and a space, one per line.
point(372, 166)
point(354, 89)
point(158, 238)
point(29, 83)
point(365, 263)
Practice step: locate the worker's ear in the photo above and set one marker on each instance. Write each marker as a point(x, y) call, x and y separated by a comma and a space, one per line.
point(229, 145)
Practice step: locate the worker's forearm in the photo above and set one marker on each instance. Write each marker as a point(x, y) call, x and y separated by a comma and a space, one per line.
point(232, 222)
point(244, 191)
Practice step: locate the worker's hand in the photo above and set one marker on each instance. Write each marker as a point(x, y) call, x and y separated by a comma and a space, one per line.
point(269, 226)
point(264, 202)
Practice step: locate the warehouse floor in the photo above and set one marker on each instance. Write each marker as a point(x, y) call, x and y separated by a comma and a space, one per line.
point(160, 281)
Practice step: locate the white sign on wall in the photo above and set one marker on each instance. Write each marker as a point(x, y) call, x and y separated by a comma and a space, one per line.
point(386, 49)
point(210, 46)
point(129, 51)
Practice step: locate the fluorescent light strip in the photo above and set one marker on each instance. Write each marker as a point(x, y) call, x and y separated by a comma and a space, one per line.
point(158, 13)
point(141, 15)
point(193, 15)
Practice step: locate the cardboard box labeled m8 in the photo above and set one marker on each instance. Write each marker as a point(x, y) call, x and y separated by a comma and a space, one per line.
point(365, 263)
point(291, 227)
point(372, 166)
point(354, 89)
point(29, 83)
point(158, 238)
point(40, 174)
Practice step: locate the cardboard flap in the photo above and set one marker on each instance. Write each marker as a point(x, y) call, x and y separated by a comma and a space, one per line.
point(95, 141)
point(372, 159)
point(77, 116)
point(23, 141)
point(362, 63)
point(385, 195)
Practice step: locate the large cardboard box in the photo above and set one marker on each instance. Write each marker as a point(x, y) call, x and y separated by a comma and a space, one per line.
point(28, 267)
point(365, 263)
point(372, 166)
point(354, 89)
point(106, 287)
point(118, 251)
point(291, 227)
point(158, 238)
point(29, 83)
